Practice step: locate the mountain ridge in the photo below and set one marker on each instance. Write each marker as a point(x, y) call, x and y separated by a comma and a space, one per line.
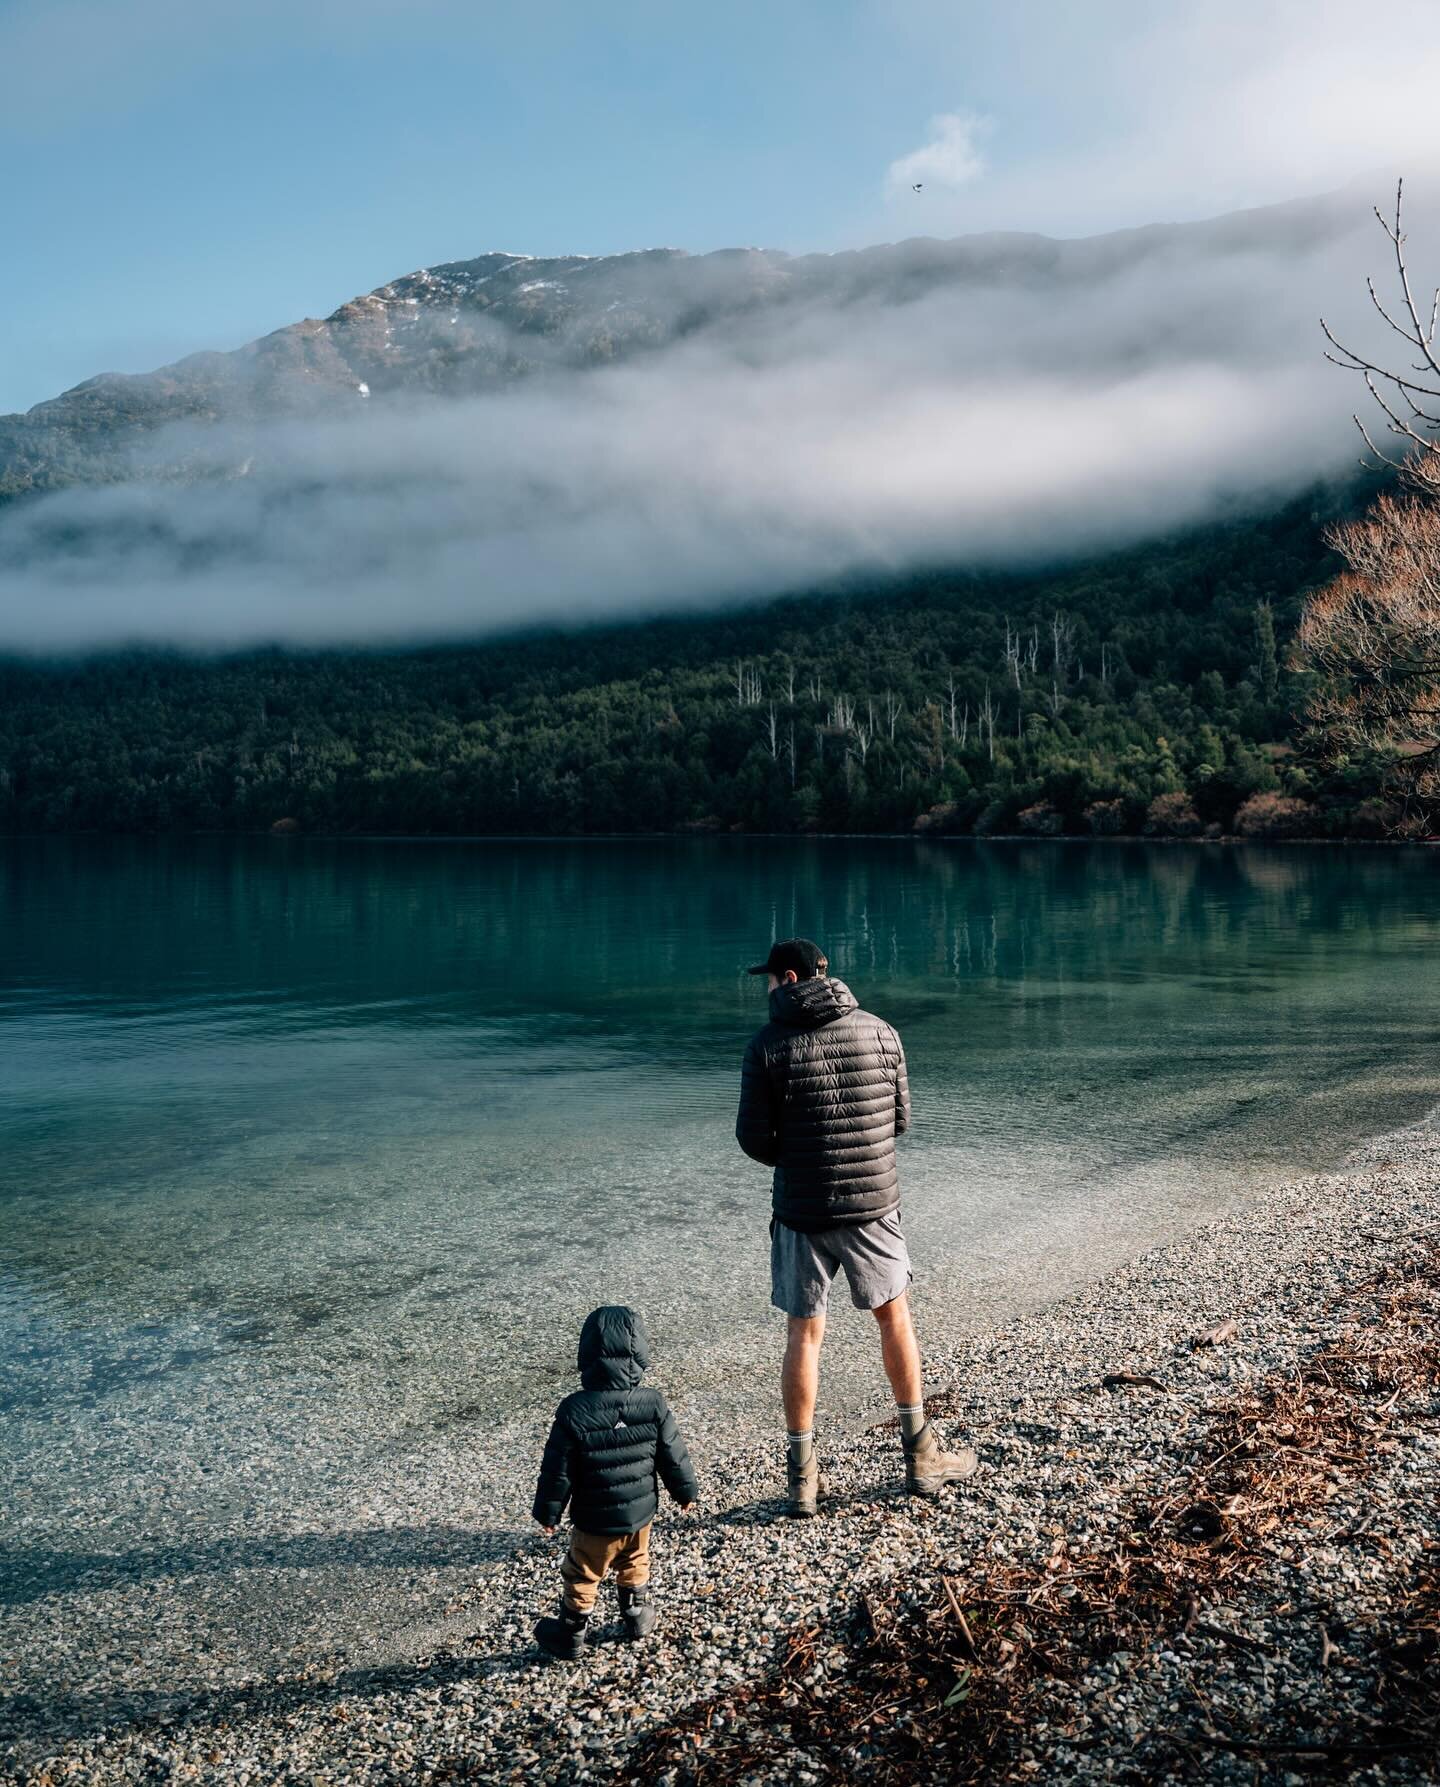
point(476, 326)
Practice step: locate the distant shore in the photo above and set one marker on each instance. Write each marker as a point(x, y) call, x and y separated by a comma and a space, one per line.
point(771, 1633)
point(1131, 839)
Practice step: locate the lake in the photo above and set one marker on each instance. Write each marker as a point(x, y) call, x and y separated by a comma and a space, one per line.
point(316, 1153)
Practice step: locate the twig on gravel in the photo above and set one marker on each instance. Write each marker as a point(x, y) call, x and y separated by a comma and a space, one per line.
point(1238, 1639)
point(961, 1620)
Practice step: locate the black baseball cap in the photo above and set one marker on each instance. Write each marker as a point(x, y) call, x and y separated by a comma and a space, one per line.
point(792, 955)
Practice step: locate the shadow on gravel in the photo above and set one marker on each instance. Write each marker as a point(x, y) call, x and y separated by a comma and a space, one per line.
point(31, 1574)
point(41, 1726)
point(771, 1511)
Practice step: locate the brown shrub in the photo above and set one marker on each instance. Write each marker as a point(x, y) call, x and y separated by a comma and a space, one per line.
point(1276, 816)
point(1042, 820)
point(1172, 816)
point(940, 817)
point(1106, 818)
point(1373, 818)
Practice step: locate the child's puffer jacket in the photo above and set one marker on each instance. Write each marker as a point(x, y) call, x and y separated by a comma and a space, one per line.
point(610, 1439)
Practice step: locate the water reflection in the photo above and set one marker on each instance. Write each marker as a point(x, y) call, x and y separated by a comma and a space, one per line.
point(332, 1101)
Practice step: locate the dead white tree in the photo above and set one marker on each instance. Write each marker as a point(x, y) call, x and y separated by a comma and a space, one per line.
point(1062, 654)
point(772, 733)
point(842, 713)
point(987, 720)
point(747, 684)
point(1062, 644)
point(1014, 655)
point(894, 707)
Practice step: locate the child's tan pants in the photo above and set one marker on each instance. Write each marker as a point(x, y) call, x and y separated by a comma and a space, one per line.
point(592, 1555)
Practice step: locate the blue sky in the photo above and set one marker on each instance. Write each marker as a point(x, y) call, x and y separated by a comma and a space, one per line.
point(186, 176)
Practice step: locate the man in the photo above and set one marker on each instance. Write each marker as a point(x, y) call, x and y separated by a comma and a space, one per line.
point(823, 1095)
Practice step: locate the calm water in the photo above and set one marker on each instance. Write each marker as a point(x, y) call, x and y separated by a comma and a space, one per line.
point(313, 1152)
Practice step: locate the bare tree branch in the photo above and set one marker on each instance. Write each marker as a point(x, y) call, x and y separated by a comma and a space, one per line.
point(1397, 236)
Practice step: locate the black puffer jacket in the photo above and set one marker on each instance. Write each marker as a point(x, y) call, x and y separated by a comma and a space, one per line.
point(610, 1438)
point(823, 1095)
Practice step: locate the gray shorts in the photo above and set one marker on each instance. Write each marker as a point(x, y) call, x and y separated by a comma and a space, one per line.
point(873, 1254)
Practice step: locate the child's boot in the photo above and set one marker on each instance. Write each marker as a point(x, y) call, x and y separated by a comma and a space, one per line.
point(637, 1612)
point(563, 1637)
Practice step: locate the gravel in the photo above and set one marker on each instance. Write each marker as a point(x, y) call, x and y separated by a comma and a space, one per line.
point(141, 1664)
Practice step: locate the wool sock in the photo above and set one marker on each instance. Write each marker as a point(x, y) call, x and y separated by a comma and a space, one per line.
point(800, 1446)
point(912, 1419)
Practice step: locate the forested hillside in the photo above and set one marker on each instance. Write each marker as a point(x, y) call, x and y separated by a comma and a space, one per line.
point(1141, 692)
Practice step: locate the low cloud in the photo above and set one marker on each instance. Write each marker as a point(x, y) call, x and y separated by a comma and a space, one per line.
point(949, 159)
point(1013, 416)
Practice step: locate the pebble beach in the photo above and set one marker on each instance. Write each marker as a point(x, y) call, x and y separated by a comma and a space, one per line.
point(758, 1615)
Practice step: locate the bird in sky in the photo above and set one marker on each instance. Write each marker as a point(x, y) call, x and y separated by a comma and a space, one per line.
point(916, 187)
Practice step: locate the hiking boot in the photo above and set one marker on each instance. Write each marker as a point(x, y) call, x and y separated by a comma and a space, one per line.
point(637, 1612)
point(928, 1469)
point(563, 1637)
point(803, 1484)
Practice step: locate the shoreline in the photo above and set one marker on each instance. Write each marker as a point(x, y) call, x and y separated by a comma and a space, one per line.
point(459, 1690)
point(1227, 839)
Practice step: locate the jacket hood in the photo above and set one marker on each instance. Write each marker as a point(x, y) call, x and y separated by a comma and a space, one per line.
point(806, 1004)
point(614, 1348)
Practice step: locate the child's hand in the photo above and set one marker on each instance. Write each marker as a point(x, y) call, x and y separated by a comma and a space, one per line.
point(549, 1531)
point(687, 1507)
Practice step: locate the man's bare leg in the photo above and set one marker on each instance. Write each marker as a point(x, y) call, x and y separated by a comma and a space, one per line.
point(927, 1468)
point(901, 1351)
point(800, 1374)
point(799, 1384)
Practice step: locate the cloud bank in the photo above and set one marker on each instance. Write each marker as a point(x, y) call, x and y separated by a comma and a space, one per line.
point(1006, 419)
